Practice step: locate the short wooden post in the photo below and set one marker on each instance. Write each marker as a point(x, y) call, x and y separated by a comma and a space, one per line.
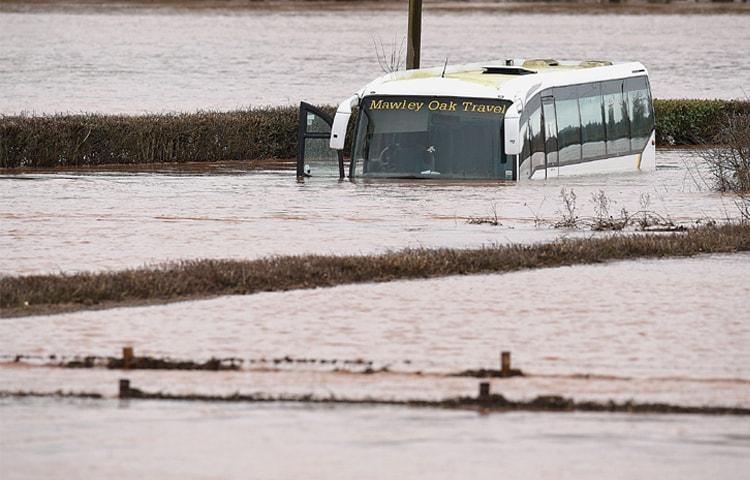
point(127, 356)
point(124, 388)
point(505, 363)
point(484, 390)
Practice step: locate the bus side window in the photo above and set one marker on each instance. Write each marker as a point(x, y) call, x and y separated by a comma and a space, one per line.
point(532, 157)
point(592, 121)
point(568, 124)
point(640, 112)
point(616, 118)
point(550, 133)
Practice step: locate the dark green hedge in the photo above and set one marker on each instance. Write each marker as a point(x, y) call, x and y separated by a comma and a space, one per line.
point(257, 134)
point(693, 122)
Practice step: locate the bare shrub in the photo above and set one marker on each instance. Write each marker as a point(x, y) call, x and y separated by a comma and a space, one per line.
point(729, 162)
point(537, 217)
point(569, 211)
point(642, 220)
point(390, 59)
point(489, 220)
point(603, 220)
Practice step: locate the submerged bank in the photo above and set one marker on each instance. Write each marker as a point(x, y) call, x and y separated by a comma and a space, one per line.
point(484, 403)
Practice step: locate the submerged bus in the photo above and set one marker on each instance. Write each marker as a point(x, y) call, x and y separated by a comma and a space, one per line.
point(501, 120)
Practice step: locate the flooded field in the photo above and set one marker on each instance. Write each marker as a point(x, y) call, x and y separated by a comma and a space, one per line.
point(90, 222)
point(657, 331)
point(166, 60)
point(146, 439)
point(671, 331)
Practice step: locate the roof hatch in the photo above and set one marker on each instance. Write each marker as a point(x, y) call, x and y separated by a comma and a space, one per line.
point(506, 70)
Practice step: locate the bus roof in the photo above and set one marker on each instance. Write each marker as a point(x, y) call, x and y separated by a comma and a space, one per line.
point(509, 79)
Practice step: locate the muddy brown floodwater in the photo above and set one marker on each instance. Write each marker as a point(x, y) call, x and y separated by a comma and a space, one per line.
point(144, 61)
point(653, 331)
point(668, 331)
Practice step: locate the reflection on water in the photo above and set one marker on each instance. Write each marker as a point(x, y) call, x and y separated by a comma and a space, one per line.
point(178, 440)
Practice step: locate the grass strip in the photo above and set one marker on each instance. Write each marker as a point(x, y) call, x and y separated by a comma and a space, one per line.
point(191, 279)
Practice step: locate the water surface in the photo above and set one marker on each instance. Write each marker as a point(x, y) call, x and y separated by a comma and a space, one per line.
point(207, 441)
point(91, 222)
point(670, 330)
point(135, 61)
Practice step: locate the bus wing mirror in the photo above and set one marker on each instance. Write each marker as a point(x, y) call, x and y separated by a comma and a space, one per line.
point(512, 135)
point(341, 121)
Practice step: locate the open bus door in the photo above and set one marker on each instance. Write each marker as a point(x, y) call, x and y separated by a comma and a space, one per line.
point(315, 158)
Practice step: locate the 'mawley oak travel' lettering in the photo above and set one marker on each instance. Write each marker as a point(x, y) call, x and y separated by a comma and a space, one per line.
point(437, 105)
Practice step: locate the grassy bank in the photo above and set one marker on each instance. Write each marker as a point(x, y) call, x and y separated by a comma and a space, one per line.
point(40, 294)
point(89, 140)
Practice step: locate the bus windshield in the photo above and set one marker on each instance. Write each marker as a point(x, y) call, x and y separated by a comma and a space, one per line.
point(429, 137)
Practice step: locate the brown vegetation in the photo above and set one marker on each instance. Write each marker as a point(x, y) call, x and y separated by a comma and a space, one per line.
point(40, 294)
point(485, 404)
point(94, 140)
point(728, 159)
point(730, 164)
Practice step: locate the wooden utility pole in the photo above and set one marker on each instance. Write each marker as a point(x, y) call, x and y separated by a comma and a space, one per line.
point(414, 41)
